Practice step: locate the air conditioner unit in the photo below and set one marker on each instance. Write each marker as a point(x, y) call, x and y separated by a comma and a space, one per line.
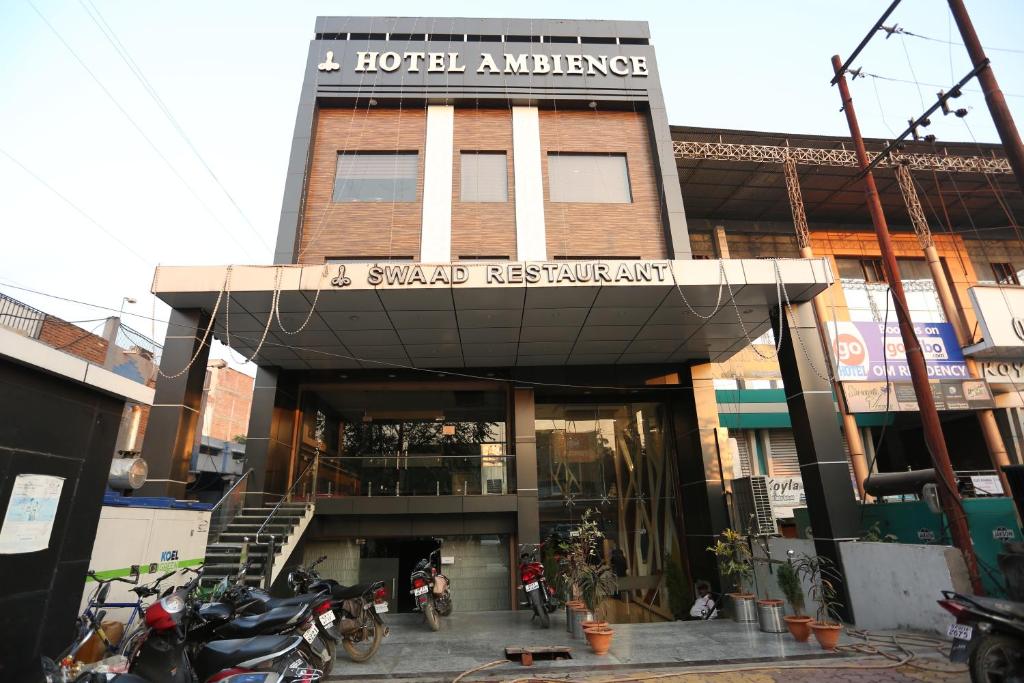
point(753, 507)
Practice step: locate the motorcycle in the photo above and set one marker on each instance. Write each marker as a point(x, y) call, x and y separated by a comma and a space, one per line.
point(539, 595)
point(358, 609)
point(174, 646)
point(431, 589)
point(988, 635)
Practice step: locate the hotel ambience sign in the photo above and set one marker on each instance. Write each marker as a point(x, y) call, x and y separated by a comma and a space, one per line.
point(531, 273)
point(489, 63)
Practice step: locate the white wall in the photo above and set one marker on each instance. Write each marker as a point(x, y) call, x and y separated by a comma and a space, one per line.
point(767, 586)
point(896, 585)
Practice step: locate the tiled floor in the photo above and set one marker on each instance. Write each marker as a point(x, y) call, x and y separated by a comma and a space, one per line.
point(467, 640)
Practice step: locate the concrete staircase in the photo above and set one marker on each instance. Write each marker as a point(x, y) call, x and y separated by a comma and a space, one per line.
point(223, 556)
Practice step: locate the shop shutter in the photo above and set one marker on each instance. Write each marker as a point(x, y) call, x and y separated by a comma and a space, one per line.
point(782, 453)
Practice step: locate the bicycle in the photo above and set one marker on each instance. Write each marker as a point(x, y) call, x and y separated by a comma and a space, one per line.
point(99, 600)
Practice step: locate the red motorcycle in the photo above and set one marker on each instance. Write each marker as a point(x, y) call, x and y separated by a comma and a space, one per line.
point(539, 595)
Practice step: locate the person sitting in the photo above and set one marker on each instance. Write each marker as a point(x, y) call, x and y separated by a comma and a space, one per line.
point(704, 607)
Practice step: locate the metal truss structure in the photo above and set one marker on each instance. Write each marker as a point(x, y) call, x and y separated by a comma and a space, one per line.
point(813, 156)
point(917, 217)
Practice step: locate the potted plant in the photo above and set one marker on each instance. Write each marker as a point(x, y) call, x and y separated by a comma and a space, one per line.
point(590, 578)
point(822, 575)
point(789, 583)
point(770, 611)
point(735, 562)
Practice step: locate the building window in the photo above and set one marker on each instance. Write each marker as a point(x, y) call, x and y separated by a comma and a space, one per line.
point(484, 177)
point(1005, 274)
point(867, 294)
point(376, 177)
point(589, 178)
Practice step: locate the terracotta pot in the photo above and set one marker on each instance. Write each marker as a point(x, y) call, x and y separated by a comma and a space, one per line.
point(827, 635)
point(594, 624)
point(799, 627)
point(600, 639)
point(770, 601)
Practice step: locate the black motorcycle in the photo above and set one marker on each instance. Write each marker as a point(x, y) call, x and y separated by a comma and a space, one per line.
point(989, 635)
point(358, 609)
point(431, 590)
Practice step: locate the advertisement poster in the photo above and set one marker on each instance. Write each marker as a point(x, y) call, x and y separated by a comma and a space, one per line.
point(864, 354)
point(30, 513)
point(880, 397)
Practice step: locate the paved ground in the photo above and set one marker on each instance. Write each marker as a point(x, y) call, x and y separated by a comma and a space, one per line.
point(639, 652)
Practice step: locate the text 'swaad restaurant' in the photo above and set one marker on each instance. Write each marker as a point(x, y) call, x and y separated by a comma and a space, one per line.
point(486, 315)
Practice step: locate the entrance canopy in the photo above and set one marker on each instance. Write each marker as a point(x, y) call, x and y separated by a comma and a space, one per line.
point(491, 314)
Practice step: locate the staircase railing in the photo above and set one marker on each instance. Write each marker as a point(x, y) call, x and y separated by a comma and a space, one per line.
point(228, 506)
point(306, 481)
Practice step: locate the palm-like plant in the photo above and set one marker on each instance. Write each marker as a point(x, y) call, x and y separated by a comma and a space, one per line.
point(591, 579)
point(823, 576)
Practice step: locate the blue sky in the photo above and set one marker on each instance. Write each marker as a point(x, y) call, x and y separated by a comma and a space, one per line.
point(230, 73)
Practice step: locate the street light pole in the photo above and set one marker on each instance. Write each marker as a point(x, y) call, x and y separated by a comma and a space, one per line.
point(952, 506)
point(994, 98)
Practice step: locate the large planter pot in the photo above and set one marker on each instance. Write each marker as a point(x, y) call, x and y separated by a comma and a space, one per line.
point(600, 639)
point(799, 627)
point(579, 615)
point(569, 604)
point(827, 635)
point(744, 610)
point(593, 623)
point(769, 615)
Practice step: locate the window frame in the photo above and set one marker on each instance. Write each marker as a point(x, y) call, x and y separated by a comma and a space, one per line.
point(414, 153)
point(553, 154)
point(463, 153)
point(1004, 273)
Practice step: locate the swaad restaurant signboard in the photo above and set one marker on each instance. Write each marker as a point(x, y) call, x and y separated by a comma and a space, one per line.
point(864, 353)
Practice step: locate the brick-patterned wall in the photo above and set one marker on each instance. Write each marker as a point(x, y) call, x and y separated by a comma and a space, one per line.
point(483, 228)
point(352, 228)
point(761, 245)
point(228, 403)
point(73, 339)
point(607, 230)
point(983, 253)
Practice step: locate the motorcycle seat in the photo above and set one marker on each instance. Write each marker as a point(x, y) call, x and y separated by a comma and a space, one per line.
point(268, 622)
point(999, 605)
point(244, 652)
point(304, 599)
point(339, 592)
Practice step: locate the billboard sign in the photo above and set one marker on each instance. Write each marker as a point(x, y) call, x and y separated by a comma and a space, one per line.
point(864, 353)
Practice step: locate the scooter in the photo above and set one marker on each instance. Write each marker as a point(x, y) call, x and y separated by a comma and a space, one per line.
point(988, 635)
point(431, 589)
point(539, 595)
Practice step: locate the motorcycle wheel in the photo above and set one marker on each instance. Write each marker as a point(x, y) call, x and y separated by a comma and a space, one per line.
point(538, 609)
point(446, 605)
point(996, 659)
point(373, 633)
point(316, 660)
point(433, 620)
point(130, 644)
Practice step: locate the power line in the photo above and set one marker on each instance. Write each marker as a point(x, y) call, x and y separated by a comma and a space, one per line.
point(898, 30)
point(77, 208)
point(133, 66)
point(135, 125)
point(932, 85)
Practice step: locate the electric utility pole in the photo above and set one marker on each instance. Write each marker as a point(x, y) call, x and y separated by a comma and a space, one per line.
point(933, 437)
point(994, 98)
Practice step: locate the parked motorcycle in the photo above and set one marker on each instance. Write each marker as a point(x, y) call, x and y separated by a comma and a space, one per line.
point(175, 647)
point(988, 635)
point(539, 595)
point(431, 589)
point(358, 609)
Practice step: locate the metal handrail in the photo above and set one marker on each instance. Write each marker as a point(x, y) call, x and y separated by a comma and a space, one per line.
point(287, 496)
point(231, 490)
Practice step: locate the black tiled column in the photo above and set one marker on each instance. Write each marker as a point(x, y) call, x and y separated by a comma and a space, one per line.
point(268, 443)
point(170, 432)
point(528, 515)
point(701, 486)
point(823, 465)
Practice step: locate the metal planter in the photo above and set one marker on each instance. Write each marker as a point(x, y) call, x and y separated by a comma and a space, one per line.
point(770, 615)
point(744, 609)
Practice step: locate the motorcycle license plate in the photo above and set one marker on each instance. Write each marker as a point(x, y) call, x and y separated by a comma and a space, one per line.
point(380, 607)
point(420, 591)
point(327, 618)
point(532, 586)
point(960, 631)
point(310, 634)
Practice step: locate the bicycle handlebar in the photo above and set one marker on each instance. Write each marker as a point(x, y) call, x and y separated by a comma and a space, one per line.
point(92, 574)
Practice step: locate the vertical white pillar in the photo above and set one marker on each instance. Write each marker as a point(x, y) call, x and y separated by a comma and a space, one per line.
point(531, 235)
point(436, 232)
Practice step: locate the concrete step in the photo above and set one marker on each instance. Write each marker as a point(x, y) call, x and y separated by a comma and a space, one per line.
point(253, 529)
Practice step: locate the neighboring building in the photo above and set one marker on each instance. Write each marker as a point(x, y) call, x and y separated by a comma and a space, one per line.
point(219, 456)
point(738, 205)
point(485, 317)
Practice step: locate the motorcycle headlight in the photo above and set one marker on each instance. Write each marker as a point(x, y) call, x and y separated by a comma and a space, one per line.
point(173, 603)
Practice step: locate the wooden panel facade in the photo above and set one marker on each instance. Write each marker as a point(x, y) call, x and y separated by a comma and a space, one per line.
point(483, 228)
point(605, 230)
point(353, 229)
